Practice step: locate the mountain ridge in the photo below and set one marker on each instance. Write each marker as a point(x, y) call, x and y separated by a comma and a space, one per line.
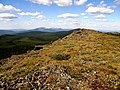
point(83, 60)
point(41, 29)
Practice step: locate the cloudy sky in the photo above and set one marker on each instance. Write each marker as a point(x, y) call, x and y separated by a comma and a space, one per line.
point(92, 14)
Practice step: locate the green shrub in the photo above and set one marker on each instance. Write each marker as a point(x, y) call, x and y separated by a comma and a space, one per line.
point(111, 67)
point(61, 56)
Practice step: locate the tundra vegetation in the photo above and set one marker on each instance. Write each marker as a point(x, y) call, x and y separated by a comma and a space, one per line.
point(83, 60)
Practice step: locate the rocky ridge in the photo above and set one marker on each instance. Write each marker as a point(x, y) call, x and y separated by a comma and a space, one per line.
point(93, 65)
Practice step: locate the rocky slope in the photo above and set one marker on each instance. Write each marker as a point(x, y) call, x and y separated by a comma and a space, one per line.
point(83, 60)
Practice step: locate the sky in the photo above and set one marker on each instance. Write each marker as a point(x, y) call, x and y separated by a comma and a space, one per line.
point(70, 14)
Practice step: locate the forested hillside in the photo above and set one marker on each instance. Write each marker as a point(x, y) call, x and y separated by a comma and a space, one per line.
point(22, 42)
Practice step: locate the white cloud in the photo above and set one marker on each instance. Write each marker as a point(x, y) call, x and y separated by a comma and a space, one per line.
point(89, 5)
point(33, 15)
point(117, 1)
point(7, 16)
point(49, 2)
point(63, 2)
point(99, 10)
point(100, 24)
point(82, 14)
point(80, 2)
point(29, 14)
point(108, 26)
point(85, 17)
point(68, 15)
point(41, 17)
point(102, 20)
point(102, 2)
point(44, 2)
point(100, 16)
point(4, 8)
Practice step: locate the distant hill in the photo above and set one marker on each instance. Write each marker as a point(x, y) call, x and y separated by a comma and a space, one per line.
point(83, 60)
point(114, 33)
point(11, 44)
point(49, 29)
point(17, 31)
point(10, 32)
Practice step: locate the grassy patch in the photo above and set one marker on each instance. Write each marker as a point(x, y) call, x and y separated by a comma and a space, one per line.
point(111, 67)
point(61, 56)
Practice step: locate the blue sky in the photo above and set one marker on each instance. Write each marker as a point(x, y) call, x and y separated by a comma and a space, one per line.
point(92, 14)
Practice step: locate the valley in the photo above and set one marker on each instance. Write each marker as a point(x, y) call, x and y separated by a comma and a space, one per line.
point(22, 42)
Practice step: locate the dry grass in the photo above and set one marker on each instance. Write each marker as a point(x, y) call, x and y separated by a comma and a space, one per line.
point(90, 53)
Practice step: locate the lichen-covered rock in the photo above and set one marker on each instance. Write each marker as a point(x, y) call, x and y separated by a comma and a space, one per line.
point(48, 78)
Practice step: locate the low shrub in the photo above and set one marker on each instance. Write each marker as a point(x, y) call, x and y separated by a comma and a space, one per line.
point(61, 56)
point(111, 67)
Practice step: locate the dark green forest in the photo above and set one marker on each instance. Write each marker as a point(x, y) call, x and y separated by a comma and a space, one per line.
point(22, 42)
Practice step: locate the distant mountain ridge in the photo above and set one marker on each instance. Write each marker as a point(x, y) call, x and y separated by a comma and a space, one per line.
point(3, 32)
point(42, 29)
point(49, 29)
